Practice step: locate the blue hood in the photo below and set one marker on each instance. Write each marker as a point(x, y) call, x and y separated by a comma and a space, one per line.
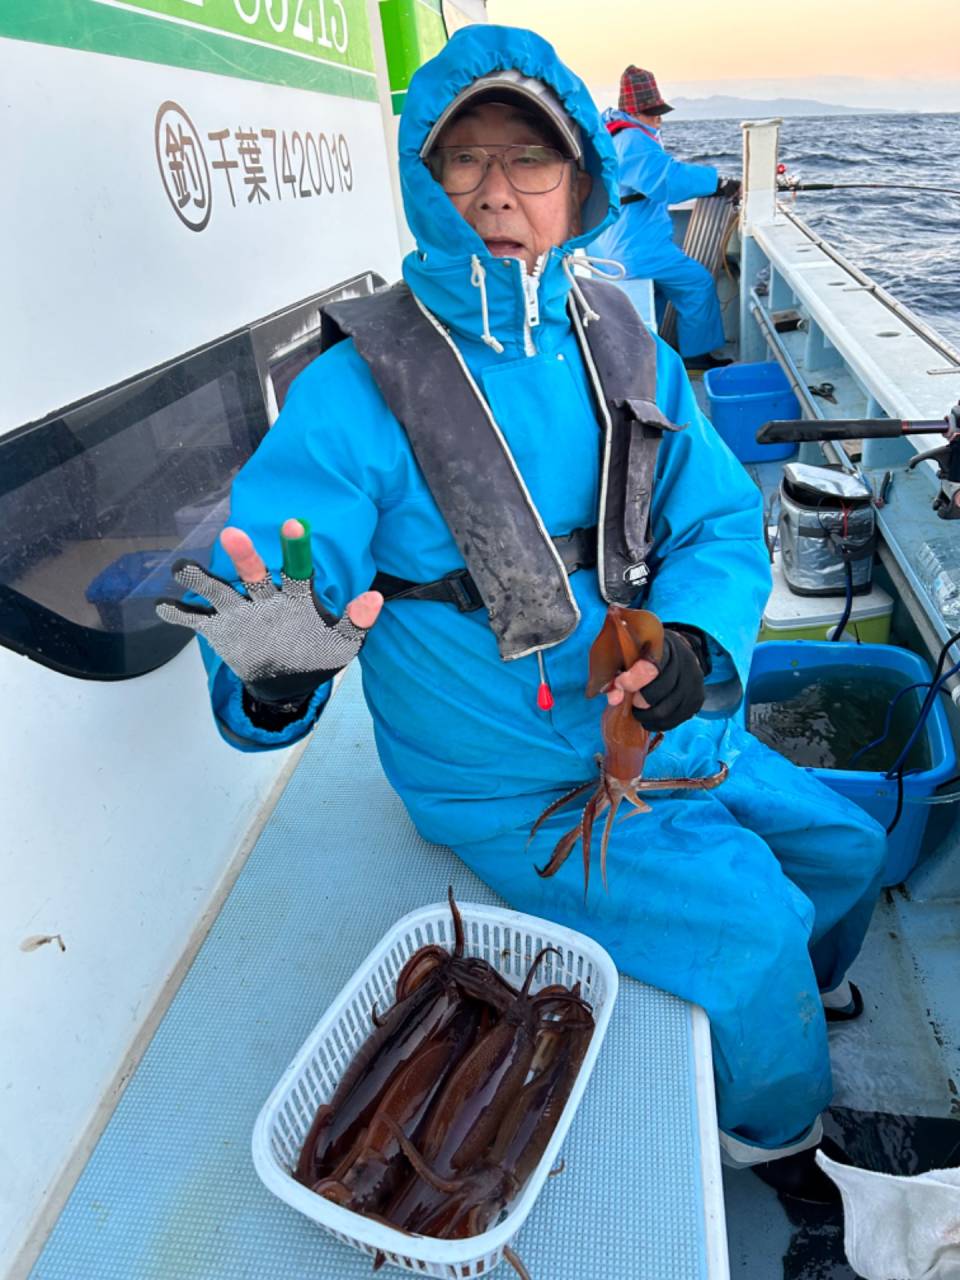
point(442, 270)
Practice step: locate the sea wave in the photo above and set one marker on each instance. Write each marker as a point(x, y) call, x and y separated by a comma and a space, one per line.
point(905, 240)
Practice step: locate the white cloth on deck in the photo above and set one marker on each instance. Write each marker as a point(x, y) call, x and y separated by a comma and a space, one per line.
point(899, 1228)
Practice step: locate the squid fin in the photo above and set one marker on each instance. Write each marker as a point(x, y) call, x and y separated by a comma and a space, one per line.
point(626, 636)
point(606, 661)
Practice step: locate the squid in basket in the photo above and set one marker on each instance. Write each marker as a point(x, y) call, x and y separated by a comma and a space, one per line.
point(627, 635)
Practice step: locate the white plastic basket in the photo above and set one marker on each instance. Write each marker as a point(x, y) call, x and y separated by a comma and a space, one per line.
point(508, 941)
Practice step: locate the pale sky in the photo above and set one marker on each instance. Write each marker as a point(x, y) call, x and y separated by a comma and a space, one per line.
point(897, 53)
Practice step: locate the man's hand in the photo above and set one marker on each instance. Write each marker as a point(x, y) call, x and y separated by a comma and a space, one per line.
point(729, 188)
point(666, 696)
point(280, 641)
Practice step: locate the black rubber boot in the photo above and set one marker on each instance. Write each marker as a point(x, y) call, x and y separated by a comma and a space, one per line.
point(853, 1010)
point(799, 1177)
point(700, 364)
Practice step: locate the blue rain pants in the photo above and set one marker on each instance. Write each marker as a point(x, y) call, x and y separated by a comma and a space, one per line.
point(690, 287)
point(726, 899)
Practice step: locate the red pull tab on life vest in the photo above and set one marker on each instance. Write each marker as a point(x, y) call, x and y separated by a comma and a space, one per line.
point(544, 696)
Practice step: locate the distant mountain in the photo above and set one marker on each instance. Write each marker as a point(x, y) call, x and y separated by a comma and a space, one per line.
point(720, 107)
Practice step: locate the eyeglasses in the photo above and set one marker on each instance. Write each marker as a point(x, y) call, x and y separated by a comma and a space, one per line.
point(530, 170)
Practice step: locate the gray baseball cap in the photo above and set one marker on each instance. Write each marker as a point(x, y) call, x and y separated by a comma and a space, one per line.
point(512, 86)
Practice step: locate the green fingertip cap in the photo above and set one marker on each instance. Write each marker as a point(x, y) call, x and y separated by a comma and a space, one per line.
point(297, 559)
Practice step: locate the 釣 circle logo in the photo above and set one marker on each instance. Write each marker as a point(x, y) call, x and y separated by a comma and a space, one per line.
point(183, 166)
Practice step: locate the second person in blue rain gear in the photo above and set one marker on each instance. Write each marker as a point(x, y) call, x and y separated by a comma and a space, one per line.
point(516, 391)
point(641, 239)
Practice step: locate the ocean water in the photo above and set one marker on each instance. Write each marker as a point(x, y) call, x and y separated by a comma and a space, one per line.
point(908, 241)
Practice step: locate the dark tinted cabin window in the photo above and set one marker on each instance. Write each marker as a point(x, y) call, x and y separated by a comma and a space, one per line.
point(98, 501)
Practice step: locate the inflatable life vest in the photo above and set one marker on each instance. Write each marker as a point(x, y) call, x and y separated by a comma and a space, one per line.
point(514, 568)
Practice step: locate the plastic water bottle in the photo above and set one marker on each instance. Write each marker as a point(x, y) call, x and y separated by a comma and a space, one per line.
point(938, 567)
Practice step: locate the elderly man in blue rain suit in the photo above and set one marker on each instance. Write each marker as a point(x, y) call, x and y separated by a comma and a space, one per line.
point(518, 388)
point(641, 239)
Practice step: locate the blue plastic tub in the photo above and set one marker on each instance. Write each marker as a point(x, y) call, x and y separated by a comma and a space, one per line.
point(872, 791)
point(742, 397)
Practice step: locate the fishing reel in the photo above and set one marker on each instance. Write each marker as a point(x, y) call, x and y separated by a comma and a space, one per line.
point(787, 181)
point(947, 455)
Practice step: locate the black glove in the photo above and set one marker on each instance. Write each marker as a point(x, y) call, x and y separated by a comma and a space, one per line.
point(676, 693)
point(729, 188)
point(280, 641)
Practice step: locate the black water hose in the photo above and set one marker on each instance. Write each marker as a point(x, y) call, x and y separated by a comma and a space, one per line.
point(848, 603)
point(934, 688)
point(938, 683)
point(898, 813)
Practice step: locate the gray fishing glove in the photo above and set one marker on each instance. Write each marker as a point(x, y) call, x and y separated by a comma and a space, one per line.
point(279, 641)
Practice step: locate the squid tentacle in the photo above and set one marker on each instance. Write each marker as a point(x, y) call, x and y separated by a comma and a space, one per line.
point(557, 805)
point(594, 807)
point(447, 1185)
point(513, 1259)
point(561, 852)
point(706, 783)
point(614, 806)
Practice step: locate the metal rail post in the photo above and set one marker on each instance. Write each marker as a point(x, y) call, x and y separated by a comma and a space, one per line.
point(758, 207)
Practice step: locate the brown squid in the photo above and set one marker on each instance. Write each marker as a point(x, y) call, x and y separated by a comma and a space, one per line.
point(627, 635)
point(448, 1105)
point(430, 990)
point(466, 1115)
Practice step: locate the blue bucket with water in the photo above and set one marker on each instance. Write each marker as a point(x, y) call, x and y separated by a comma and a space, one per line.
point(873, 792)
point(742, 397)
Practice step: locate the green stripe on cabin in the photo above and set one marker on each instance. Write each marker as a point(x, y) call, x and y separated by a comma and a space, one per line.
point(320, 45)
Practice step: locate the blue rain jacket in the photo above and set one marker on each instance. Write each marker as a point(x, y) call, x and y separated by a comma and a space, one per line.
point(459, 731)
point(642, 238)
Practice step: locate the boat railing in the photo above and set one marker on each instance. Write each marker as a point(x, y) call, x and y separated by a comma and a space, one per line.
point(852, 350)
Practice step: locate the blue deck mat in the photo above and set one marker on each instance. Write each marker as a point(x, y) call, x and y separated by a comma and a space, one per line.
point(170, 1192)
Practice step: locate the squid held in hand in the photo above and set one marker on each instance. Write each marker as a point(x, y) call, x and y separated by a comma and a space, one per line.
point(626, 637)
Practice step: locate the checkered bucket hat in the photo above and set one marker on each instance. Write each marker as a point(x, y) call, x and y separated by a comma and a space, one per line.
point(639, 95)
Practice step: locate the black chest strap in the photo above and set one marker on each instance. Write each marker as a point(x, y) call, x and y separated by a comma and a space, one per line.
point(577, 550)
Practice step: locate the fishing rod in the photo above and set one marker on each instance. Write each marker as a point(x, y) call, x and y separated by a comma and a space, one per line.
point(946, 455)
point(787, 183)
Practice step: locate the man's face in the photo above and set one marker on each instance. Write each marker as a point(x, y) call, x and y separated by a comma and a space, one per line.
point(510, 223)
point(652, 122)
